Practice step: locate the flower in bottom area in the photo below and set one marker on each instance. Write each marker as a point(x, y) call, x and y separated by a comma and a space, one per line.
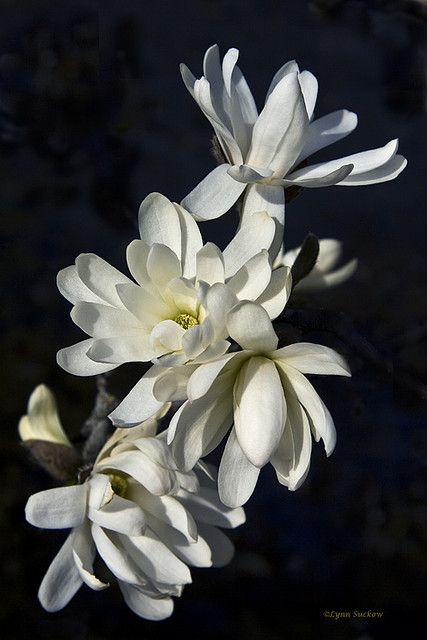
point(147, 521)
point(324, 274)
point(263, 394)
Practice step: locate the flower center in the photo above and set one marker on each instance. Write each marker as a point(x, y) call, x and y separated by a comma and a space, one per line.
point(118, 483)
point(185, 320)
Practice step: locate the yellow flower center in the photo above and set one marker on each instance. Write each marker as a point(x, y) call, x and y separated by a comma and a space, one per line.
point(185, 320)
point(118, 483)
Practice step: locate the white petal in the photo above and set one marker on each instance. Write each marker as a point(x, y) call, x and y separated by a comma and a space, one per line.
point(246, 174)
point(289, 67)
point(253, 278)
point(291, 459)
point(84, 552)
point(320, 418)
point(62, 580)
point(271, 199)
point(100, 491)
point(122, 349)
point(219, 300)
point(144, 605)
point(120, 515)
point(279, 132)
point(145, 304)
point(200, 426)
point(74, 360)
point(304, 177)
point(116, 558)
point(168, 510)
point(72, 288)
point(212, 352)
point(184, 295)
point(147, 472)
point(255, 234)
point(259, 410)
point(156, 560)
point(237, 476)
point(206, 506)
point(327, 130)
point(42, 421)
point(317, 281)
point(167, 336)
point(172, 385)
point(100, 277)
point(249, 325)
point(198, 338)
point(204, 376)
point(139, 404)
point(313, 358)
point(210, 264)
point(388, 171)
point(136, 256)
point(222, 549)
point(195, 553)
point(275, 296)
point(309, 88)
point(162, 265)
point(214, 195)
point(58, 508)
point(243, 110)
point(102, 321)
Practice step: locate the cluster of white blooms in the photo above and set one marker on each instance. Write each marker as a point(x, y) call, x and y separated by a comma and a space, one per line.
point(203, 319)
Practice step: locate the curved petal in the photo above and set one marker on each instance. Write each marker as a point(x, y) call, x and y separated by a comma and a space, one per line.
point(60, 508)
point(237, 476)
point(210, 264)
point(327, 130)
point(74, 360)
point(136, 257)
point(214, 195)
point(259, 410)
point(116, 559)
point(140, 403)
point(256, 233)
point(206, 506)
point(388, 171)
point(271, 199)
point(204, 376)
point(62, 579)
point(289, 67)
point(120, 515)
point(313, 358)
point(84, 552)
point(317, 281)
point(144, 605)
point(249, 325)
point(221, 547)
point(309, 88)
point(157, 479)
point(100, 277)
point(122, 349)
point(72, 288)
point(102, 321)
point(246, 174)
point(324, 180)
point(195, 553)
point(42, 421)
point(275, 296)
point(162, 265)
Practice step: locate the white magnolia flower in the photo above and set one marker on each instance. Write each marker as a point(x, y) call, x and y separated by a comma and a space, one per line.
point(266, 152)
point(42, 420)
point(324, 274)
point(147, 521)
point(175, 312)
point(261, 393)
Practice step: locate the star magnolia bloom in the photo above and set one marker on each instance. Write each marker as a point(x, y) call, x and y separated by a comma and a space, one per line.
point(176, 311)
point(42, 420)
point(323, 275)
point(265, 152)
point(262, 394)
point(146, 520)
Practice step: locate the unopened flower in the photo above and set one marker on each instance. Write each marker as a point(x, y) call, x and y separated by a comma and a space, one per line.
point(266, 152)
point(175, 311)
point(325, 273)
point(262, 394)
point(146, 520)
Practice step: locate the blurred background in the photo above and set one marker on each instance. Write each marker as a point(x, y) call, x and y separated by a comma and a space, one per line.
point(93, 117)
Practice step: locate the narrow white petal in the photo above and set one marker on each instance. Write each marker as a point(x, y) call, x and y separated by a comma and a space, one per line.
point(84, 552)
point(221, 547)
point(305, 178)
point(122, 349)
point(162, 265)
point(145, 304)
point(253, 278)
point(204, 376)
point(214, 195)
point(168, 510)
point(150, 474)
point(115, 557)
point(289, 67)
point(246, 174)
point(271, 199)
point(72, 288)
point(256, 233)
point(167, 336)
point(159, 222)
point(120, 515)
point(327, 130)
point(210, 264)
point(237, 476)
point(206, 506)
point(388, 171)
point(74, 360)
point(275, 296)
point(195, 553)
point(155, 559)
point(102, 321)
point(59, 508)
point(62, 580)
point(249, 325)
point(219, 300)
point(309, 88)
point(317, 281)
point(144, 605)
point(279, 132)
point(100, 277)
point(188, 78)
point(100, 491)
point(313, 358)
point(139, 404)
point(259, 410)
point(136, 256)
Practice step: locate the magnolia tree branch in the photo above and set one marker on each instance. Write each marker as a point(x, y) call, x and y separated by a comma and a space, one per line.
point(98, 427)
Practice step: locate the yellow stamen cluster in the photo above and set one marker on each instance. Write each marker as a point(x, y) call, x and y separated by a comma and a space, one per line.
point(185, 320)
point(118, 483)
